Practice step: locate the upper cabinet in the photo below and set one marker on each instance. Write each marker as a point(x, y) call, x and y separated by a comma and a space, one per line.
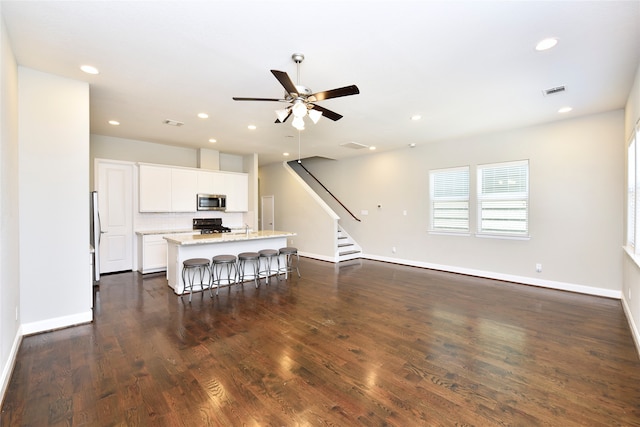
point(184, 187)
point(171, 189)
point(166, 189)
point(237, 185)
point(155, 188)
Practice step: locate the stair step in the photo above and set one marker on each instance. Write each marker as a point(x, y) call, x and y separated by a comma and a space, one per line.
point(342, 245)
point(348, 253)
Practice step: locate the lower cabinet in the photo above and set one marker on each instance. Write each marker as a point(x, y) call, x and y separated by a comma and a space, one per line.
point(152, 253)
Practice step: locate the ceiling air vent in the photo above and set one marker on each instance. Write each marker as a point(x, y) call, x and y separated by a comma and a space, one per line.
point(172, 122)
point(354, 145)
point(554, 90)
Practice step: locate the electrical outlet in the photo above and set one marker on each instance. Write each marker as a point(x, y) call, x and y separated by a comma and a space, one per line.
point(539, 268)
point(393, 250)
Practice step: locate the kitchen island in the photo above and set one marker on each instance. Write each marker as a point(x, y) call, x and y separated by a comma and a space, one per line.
point(183, 246)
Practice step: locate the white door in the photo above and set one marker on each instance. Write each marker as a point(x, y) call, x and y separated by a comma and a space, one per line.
point(267, 213)
point(115, 204)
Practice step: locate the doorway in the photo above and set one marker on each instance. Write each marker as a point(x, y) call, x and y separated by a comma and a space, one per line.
point(267, 209)
point(115, 205)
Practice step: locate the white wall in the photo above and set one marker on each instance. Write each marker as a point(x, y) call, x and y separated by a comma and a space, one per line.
point(9, 219)
point(296, 210)
point(55, 279)
point(576, 167)
point(631, 270)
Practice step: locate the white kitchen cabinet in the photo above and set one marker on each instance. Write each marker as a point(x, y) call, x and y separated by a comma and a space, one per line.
point(172, 189)
point(184, 187)
point(237, 192)
point(155, 188)
point(220, 183)
point(152, 253)
point(206, 182)
point(167, 189)
point(231, 184)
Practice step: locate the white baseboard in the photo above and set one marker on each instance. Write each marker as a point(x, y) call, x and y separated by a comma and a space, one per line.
point(316, 256)
point(57, 323)
point(632, 325)
point(551, 284)
point(7, 369)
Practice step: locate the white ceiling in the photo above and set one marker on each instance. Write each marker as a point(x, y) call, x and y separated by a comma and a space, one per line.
point(467, 67)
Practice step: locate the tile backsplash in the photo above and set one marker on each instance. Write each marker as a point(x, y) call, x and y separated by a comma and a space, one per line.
point(182, 220)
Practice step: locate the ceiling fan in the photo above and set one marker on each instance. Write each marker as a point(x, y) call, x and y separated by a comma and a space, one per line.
point(301, 98)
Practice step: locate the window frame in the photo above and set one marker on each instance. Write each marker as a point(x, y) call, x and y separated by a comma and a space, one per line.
point(452, 198)
point(632, 232)
point(505, 198)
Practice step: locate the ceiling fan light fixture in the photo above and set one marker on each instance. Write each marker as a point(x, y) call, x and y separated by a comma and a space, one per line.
point(298, 123)
point(299, 109)
point(282, 114)
point(315, 115)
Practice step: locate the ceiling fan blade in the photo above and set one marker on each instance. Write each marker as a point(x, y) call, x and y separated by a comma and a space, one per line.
point(331, 115)
point(285, 119)
point(286, 82)
point(336, 93)
point(236, 98)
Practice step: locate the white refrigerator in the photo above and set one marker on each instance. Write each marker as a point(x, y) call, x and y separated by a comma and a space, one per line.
point(96, 232)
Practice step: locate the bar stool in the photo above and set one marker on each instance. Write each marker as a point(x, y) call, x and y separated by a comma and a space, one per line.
point(253, 258)
point(290, 263)
point(220, 263)
point(192, 266)
point(268, 256)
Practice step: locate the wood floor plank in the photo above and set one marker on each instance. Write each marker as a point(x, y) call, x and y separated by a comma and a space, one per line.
point(365, 343)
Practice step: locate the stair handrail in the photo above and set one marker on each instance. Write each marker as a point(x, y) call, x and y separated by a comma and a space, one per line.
point(330, 193)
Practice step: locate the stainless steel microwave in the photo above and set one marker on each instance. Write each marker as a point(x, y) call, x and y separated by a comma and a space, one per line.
point(211, 202)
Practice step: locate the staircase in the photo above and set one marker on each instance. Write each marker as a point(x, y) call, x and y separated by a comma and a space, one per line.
point(347, 248)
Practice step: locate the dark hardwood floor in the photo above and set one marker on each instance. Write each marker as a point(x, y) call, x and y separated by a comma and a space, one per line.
point(363, 344)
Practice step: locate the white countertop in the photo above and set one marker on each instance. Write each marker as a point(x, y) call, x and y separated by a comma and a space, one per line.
point(203, 239)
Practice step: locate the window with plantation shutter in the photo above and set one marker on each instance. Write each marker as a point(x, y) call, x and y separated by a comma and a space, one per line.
point(632, 186)
point(633, 194)
point(449, 199)
point(503, 199)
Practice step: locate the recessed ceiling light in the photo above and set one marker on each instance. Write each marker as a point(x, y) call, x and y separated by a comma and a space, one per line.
point(565, 110)
point(412, 145)
point(114, 122)
point(213, 140)
point(203, 115)
point(546, 44)
point(372, 148)
point(89, 69)
point(416, 117)
point(285, 154)
point(251, 127)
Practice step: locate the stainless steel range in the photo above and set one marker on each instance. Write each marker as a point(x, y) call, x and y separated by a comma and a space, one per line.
point(210, 225)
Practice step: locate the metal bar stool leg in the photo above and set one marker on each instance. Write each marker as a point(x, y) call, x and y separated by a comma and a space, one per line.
point(288, 253)
point(268, 255)
point(219, 264)
point(253, 258)
point(191, 267)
